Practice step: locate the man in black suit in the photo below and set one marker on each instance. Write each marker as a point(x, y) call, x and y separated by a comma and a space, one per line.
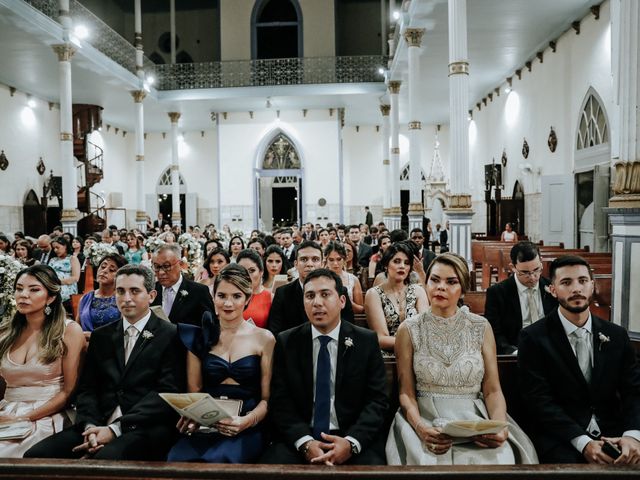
point(328, 389)
point(287, 309)
point(120, 414)
point(417, 237)
point(160, 222)
point(288, 248)
point(519, 300)
point(579, 376)
point(368, 220)
point(364, 251)
point(182, 300)
point(43, 251)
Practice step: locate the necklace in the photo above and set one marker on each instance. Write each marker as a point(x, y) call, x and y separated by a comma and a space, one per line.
point(400, 299)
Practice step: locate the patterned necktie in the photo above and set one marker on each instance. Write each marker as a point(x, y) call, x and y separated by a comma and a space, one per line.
point(168, 300)
point(132, 336)
point(322, 405)
point(533, 306)
point(583, 351)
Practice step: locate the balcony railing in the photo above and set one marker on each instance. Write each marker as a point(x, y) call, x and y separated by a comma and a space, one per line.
point(273, 72)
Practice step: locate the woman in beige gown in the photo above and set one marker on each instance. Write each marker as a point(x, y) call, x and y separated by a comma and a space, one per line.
point(39, 359)
point(447, 369)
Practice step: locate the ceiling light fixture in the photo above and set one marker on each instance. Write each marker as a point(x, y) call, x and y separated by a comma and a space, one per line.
point(81, 32)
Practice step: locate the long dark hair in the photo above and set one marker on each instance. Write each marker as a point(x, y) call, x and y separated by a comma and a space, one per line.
point(277, 250)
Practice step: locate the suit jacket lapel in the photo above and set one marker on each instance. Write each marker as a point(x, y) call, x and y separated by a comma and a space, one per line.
point(514, 298)
point(559, 338)
point(141, 342)
point(305, 359)
point(177, 301)
point(118, 343)
point(346, 330)
point(599, 351)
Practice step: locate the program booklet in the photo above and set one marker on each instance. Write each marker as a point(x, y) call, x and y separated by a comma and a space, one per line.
point(202, 408)
point(15, 430)
point(470, 428)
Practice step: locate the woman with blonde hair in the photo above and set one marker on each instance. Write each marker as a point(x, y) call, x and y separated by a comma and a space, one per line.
point(40, 355)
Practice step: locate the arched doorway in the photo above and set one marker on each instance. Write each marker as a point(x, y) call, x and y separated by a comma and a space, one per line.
point(279, 177)
point(276, 29)
point(33, 215)
point(592, 173)
point(404, 194)
point(164, 195)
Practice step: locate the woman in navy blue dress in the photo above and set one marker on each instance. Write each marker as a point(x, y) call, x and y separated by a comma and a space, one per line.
point(233, 360)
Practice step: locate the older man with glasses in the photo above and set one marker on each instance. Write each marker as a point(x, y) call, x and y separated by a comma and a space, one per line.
point(182, 300)
point(520, 300)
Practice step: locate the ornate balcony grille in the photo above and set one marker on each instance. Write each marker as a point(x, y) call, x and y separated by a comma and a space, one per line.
point(261, 73)
point(102, 37)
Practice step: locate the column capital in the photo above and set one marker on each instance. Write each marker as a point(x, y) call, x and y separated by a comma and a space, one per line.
point(626, 188)
point(415, 125)
point(138, 95)
point(395, 151)
point(457, 68)
point(139, 158)
point(66, 137)
point(141, 216)
point(462, 202)
point(64, 51)
point(413, 36)
point(386, 162)
point(385, 109)
point(394, 87)
point(174, 116)
point(68, 215)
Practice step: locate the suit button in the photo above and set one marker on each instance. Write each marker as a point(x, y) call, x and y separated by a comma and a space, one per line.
point(133, 427)
point(120, 393)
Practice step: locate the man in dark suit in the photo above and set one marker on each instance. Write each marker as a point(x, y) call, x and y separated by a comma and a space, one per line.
point(328, 389)
point(182, 300)
point(579, 376)
point(417, 237)
point(288, 248)
point(368, 219)
point(160, 222)
point(519, 300)
point(120, 414)
point(444, 238)
point(364, 251)
point(43, 252)
point(287, 308)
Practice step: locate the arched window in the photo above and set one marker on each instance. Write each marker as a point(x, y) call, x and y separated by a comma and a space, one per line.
point(165, 179)
point(405, 174)
point(593, 129)
point(281, 155)
point(276, 27)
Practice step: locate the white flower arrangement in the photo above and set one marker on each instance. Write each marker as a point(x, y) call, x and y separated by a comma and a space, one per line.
point(97, 251)
point(192, 250)
point(9, 269)
point(151, 244)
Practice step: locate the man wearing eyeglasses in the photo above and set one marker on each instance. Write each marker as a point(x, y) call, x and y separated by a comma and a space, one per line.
point(182, 300)
point(520, 300)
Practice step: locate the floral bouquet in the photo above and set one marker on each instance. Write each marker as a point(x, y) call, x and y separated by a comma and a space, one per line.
point(151, 244)
point(9, 268)
point(192, 251)
point(97, 251)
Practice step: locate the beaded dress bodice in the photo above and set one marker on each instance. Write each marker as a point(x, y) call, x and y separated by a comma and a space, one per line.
point(447, 352)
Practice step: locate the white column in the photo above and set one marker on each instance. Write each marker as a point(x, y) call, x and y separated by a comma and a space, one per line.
point(175, 170)
point(395, 213)
point(459, 211)
point(624, 206)
point(413, 37)
point(138, 97)
point(172, 15)
point(386, 164)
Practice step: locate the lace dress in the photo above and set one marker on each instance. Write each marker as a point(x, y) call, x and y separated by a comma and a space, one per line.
point(449, 369)
point(391, 314)
point(29, 386)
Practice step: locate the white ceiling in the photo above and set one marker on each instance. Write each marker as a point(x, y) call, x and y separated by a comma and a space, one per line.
point(502, 35)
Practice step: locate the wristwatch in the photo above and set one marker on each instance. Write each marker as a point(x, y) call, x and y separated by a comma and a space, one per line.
point(304, 448)
point(354, 448)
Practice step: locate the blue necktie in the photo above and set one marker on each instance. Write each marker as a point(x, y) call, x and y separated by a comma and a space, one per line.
point(323, 389)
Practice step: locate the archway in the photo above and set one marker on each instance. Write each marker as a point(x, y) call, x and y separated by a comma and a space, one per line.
point(276, 29)
point(33, 215)
point(164, 196)
point(279, 180)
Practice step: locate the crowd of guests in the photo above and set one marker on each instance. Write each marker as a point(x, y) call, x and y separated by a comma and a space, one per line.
point(269, 320)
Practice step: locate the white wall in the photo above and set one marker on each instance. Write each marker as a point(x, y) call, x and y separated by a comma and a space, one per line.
point(550, 95)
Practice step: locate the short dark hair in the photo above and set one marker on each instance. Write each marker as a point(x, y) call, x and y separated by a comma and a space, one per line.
point(568, 261)
point(257, 240)
point(398, 235)
point(326, 273)
point(145, 272)
point(213, 253)
point(251, 254)
point(524, 252)
point(395, 248)
point(286, 231)
point(116, 258)
point(416, 230)
point(307, 244)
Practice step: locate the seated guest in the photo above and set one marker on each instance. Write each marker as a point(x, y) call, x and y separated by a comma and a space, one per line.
point(375, 263)
point(236, 245)
point(323, 237)
point(448, 370)
point(520, 300)
point(258, 245)
point(217, 259)
point(182, 300)
point(120, 415)
point(339, 420)
point(40, 355)
point(287, 309)
point(43, 251)
point(579, 376)
point(135, 253)
point(288, 248)
point(275, 264)
point(335, 258)
point(258, 308)
point(233, 360)
point(389, 304)
point(98, 307)
point(23, 252)
point(5, 245)
point(77, 249)
point(67, 267)
point(509, 235)
point(424, 254)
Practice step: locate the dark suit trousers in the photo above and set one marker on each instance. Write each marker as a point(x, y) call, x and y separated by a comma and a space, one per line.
point(281, 453)
point(148, 444)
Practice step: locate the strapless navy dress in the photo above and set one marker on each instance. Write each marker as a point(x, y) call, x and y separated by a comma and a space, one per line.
point(213, 447)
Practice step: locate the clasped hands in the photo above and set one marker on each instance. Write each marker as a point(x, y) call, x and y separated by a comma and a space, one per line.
point(334, 450)
point(95, 438)
point(229, 426)
point(629, 448)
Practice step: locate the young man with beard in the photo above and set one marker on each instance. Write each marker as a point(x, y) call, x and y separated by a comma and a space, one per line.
point(579, 377)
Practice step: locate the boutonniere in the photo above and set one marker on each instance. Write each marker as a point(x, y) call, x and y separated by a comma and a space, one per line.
point(603, 339)
point(147, 335)
point(348, 342)
point(183, 293)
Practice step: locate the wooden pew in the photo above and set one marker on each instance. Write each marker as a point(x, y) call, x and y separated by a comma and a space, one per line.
point(475, 301)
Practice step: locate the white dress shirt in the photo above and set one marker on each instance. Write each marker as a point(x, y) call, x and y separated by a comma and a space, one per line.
point(523, 296)
point(175, 287)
